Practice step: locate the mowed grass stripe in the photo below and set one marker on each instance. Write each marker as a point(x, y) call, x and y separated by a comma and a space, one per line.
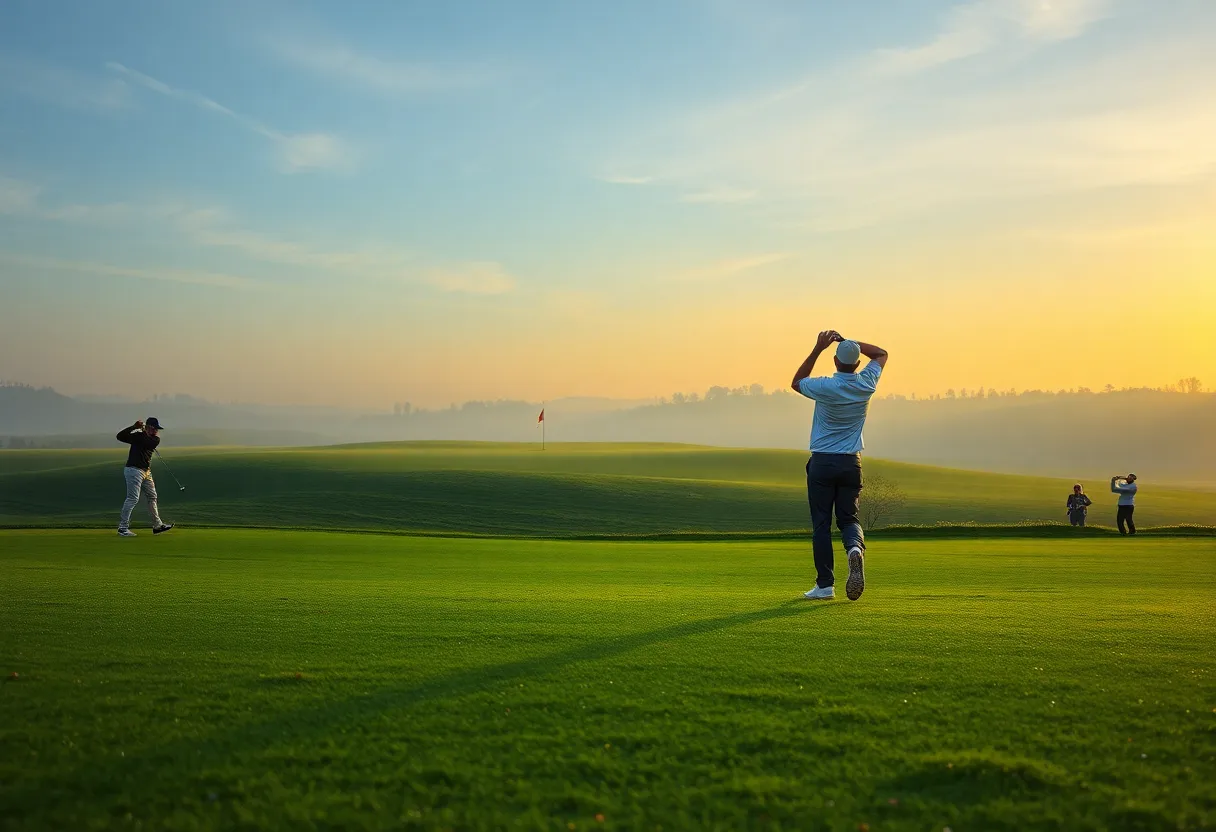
point(475, 684)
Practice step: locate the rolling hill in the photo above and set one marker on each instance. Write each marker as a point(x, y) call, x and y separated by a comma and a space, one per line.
point(510, 489)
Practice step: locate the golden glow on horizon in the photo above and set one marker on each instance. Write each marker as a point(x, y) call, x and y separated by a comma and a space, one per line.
point(1005, 194)
point(1130, 310)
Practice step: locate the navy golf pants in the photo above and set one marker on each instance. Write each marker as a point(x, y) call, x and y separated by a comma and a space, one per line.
point(833, 485)
point(1124, 518)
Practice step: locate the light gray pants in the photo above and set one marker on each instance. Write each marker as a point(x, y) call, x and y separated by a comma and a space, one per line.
point(139, 481)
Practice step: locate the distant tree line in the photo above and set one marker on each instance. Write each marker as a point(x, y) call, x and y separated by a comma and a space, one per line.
point(719, 393)
point(1190, 386)
point(716, 393)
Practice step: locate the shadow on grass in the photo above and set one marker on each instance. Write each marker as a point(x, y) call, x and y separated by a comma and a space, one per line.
point(977, 777)
point(986, 789)
point(184, 759)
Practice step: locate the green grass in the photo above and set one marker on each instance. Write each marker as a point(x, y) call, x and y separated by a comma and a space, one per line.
point(566, 491)
point(237, 679)
point(989, 679)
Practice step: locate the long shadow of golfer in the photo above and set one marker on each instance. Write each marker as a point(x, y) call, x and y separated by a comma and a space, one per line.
point(148, 768)
point(467, 681)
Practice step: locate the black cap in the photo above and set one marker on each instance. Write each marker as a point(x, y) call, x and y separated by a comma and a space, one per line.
point(153, 422)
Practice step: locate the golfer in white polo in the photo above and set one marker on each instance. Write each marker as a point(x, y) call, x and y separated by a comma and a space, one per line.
point(833, 473)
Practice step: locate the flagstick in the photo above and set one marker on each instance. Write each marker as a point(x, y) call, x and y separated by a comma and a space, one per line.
point(542, 427)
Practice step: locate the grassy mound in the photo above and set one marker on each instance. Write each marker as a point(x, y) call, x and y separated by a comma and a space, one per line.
point(515, 490)
point(505, 489)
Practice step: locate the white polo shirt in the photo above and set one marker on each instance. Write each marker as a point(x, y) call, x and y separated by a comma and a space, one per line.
point(841, 403)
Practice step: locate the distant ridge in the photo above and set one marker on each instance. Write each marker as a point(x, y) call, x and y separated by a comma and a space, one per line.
point(1163, 436)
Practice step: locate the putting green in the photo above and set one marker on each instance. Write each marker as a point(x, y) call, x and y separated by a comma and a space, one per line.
point(221, 679)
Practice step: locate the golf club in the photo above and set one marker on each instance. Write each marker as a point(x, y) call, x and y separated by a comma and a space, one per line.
point(180, 487)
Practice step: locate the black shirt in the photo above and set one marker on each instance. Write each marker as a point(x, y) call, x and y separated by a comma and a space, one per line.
point(1078, 502)
point(142, 446)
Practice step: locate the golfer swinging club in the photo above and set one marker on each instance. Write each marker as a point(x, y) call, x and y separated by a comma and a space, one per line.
point(1125, 487)
point(833, 474)
point(143, 440)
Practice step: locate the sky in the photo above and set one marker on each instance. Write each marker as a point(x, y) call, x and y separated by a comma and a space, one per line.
point(368, 203)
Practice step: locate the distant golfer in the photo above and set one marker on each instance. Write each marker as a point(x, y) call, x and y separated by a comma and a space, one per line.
point(1125, 487)
point(143, 440)
point(833, 474)
point(1078, 505)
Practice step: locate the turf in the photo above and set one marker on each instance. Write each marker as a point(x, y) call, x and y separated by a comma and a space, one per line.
point(240, 679)
point(505, 489)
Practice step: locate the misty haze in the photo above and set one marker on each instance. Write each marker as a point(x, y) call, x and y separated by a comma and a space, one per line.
point(1061, 433)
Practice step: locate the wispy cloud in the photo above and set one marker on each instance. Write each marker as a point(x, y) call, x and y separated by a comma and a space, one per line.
point(151, 83)
point(17, 197)
point(720, 195)
point(341, 62)
point(979, 26)
point(60, 85)
point(877, 138)
point(310, 151)
point(625, 179)
point(1178, 230)
point(199, 278)
point(729, 268)
point(23, 199)
point(477, 278)
point(296, 152)
point(216, 229)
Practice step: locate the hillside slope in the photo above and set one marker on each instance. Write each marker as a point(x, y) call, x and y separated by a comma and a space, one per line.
point(567, 490)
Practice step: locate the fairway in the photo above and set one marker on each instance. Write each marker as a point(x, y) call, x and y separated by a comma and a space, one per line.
point(210, 678)
point(517, 490)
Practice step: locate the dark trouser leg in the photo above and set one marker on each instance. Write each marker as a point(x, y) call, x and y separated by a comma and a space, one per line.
point(821, 494)
point(1074, 518)
point(1124, 519)
point(848, 495)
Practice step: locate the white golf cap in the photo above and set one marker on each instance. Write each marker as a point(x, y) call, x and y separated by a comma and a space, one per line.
point(848, 352)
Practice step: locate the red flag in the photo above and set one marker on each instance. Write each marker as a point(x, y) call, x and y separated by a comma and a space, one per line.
point(542, 416)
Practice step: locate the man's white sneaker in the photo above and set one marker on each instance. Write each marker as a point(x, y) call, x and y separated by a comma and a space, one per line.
point(126, 533)
point(857, 574)
point(821, 593)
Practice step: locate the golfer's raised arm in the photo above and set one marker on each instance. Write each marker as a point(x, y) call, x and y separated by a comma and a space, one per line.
point(125, 435)
point(826, 339)
point(873, 353)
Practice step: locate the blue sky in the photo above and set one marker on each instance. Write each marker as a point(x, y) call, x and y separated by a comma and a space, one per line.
point(334, 202)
